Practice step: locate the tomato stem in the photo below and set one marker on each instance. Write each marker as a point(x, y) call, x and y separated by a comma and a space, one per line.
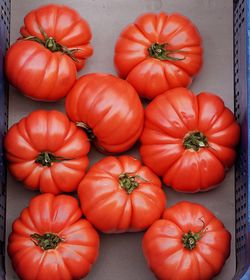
point(129, 183)
point(47, 241)
point(51, 44)
point(160, 52)
point(190, 239)
point(87, 129)
point(195, 140)
point(47, 158)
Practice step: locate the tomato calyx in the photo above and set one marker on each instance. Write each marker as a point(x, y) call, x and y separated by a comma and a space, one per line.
point(47, 158)
point(160, 52)
point(128, 182)
point(195, 140)
point(190, 239)
point(51, 44)
point(47, 241)
point(92, 138)
point(87, 129)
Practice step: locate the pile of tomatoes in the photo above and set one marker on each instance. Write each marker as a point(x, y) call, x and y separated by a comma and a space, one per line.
point(186, 139)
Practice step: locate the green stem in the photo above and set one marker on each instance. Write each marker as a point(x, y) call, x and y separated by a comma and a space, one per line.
point(190, 239)
point(51, 44)
point(195, 140)
point(87, 129)
point(47, 241)
point(159, 51)
point(46, 159)
point(129, 183)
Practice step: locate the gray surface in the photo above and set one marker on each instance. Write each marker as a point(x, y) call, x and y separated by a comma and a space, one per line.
point(120, 256)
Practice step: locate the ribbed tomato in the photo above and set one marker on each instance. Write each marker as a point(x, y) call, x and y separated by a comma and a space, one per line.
point(48, 152)
point(64, 27)
point(51, 241)
point(159, 52)
point(189, 140)
point(108, 109)
point(43, 64)
point(120, 195)
point(188, 243)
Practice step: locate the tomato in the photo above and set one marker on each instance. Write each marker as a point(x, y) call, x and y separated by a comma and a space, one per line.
point(189, 140)
point(43, 65)
point(188, 243)
point(64, 27)
point(47, 152)
point(119, 194)
point(51, 241)
point(108, 109)
point(159, 52)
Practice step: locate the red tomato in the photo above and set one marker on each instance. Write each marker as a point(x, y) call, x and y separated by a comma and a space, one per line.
point(43, 65)
point(189, 140)
point(120, 195)
point(189, 243)
point(159, 52)
point(51, 241)
point(48, 152)
point(109, 110)
point(64, 27)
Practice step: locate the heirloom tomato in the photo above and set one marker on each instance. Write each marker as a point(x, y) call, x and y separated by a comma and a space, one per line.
point(159, 52)
point(47, 152)
point(120, 195)
point(188, 243)
point(108, 109)
point(55, 44)
point(189, 140)
point(51, 241)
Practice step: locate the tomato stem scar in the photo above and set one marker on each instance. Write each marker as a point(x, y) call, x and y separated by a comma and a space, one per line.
point(159, 51)
point(47, 241)
point(129, 183)
point(195, 140)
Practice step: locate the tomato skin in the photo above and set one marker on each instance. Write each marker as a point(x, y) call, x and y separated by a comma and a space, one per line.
point(110, 107)
point(165, 252)
point(151, 76)
point(60, 215)
point(169, 118)
point(63, 24)
point(109, 207)
point(52, 132)
point(37, 72)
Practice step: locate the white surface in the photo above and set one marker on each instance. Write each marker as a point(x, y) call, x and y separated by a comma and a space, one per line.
point(120, 256)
